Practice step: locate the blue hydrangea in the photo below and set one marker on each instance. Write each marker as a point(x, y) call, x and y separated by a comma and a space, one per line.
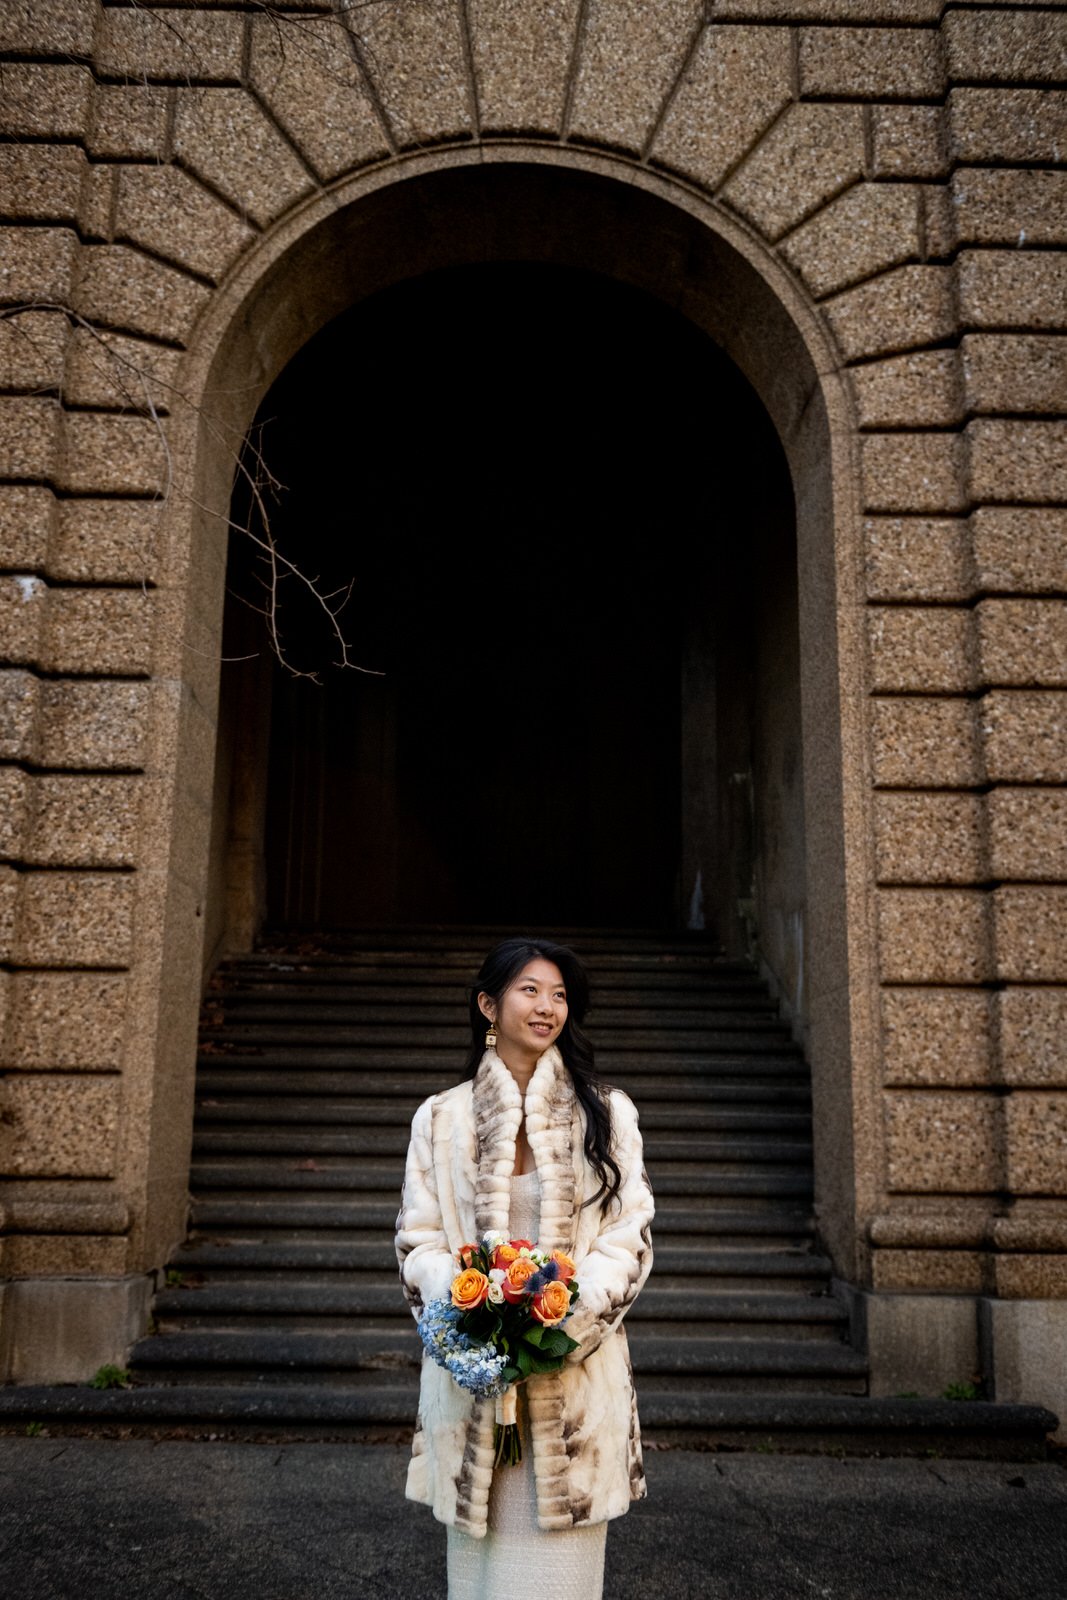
point(475, 1367)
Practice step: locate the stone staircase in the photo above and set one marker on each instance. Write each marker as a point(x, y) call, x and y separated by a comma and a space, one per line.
point(282, 1313)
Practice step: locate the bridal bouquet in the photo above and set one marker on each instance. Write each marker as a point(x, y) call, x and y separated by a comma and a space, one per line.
point(502, 1322)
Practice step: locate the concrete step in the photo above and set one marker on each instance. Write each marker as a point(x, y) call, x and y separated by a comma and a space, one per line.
point(659, 992)
point(236, 1076)
point(383, 1141)
point(748, 1036)
point(701, 1355)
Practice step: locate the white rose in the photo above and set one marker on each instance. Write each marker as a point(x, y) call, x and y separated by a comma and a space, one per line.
point(495, 1295)
point(497, 1274)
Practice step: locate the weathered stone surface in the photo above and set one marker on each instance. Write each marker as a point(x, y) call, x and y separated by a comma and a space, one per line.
point(112, 371)
point(1015, 372)
point(18, 708)
point(26, 517)
point(225, 138)
point(107, 453)
point(908, 142)
point(998, 206)
point(901, 310)
point(1020, 548)
point(1040, 1282)
point(1025, 735)
point(931, 1271)
point(1018, 461)
point(746, 75)
point(44, 100)
point(939, 936)
point(77, 821)
point(1002, 125)
point(926, 649)
point(923, 389)
point(13, 807)
point(631, 54)
point(93, 724)
point(98, 631)
point(32, 1259)
point(922, 742)
point(869, 228)
point(1031, 1026)
point(522, 56)
point(66, 1021)
point(36, 264)
point(827, 10)
point(184, 46)
point(122, 288)
point(62, 28)
point(1000, 45)
point(811, 154)
point(23, 601)
point(1037, 1142)
point(1030, 933)
point(63, 1127)
point(172, 215)
point(415, 55)
point(871, 63)
point(128, 120)
point(1024, 289)
point(1022, 643)
point(1028, 834)
point(29, 434)
point(930, 838)
point(74, 919)
point(105, 541)
point(306, 70)
point(942, 1143)
point(934, 1037)
point(918, 558)
point(914, 472)
point(41, 182)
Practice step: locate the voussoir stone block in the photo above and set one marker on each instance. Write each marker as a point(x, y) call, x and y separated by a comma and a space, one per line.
point(908, 142)
point(415, 54)
point(66, 1021)
point(871, 63)
point(1020, 548)
point(924, 649)
point(104, 632)
point(122, 288)
point(224, 137)
point(1030, 931)
point(83, 821)
point(920, 742)
point(811, 154)
point(1024, 289)
point(942, 1143)
point(1024, 733)
point(914, 472)
point(306, 71)
point(933, 1037)
point(62, 1127)
point(923, 389)
point(92, 724)
point(522, 56)
point(870, 227)
point(128, 121)
point(904, 309)
point(44, 100)
point(930, 838)
point(173, 44)
point(63, 28)
point(998, 125)
point(1015, 372)
point(1022, 643)
point(41, 182)
point(999, 45)
point(168, 212)
point(631, 54)
point(938, 936)
point(746, 74)
point(1031, 1028)
point(996, 205)
point(1028, 834)
point(74, 919)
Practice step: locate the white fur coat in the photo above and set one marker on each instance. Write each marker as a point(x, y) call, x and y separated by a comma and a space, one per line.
point(583, 1419)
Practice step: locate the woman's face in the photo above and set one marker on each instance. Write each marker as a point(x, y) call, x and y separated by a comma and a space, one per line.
point(530, 1013)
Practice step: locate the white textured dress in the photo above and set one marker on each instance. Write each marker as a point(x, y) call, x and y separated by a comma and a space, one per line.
point(569, 1563)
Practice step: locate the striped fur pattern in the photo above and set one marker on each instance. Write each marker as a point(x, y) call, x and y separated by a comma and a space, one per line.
point(583, 1420)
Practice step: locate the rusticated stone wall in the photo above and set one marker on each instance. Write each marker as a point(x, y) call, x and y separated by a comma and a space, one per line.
point(899, 164)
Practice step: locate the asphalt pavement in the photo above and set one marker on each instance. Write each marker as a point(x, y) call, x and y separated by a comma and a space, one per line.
point(101, 1519)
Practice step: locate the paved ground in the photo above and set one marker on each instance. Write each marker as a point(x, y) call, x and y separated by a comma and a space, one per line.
point(101, 1519)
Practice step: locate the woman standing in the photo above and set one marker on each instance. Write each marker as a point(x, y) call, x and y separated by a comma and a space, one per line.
point(533, 1146)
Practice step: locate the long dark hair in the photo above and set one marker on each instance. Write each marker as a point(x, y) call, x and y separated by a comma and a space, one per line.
point(499, 969)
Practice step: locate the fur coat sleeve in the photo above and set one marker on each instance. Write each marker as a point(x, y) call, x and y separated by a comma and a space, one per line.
point(583, 1420)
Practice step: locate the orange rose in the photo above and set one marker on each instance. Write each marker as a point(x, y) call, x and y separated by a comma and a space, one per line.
point(504, 1255)
point(469, 1289)
point(466, 1254)
point(567, 1267)
point(552, 1304)
point(519, 1273)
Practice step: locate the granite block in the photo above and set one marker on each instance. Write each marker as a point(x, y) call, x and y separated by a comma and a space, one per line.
point(631, 55)
point(39, 1256)
point(918, 558)
point(112, 371)
point(925, 649)
point(41, 182)
point(13, 809)
point(869, 228)
point(103, 632)
point(23, 605)
point(908, 142)
point(62, 1127)
point(416, 55)
point(9, 894)
point(901, 310)
point(939, 223)
point(937, 936)
point(224, 137)
point(1024, 289)
point(1015, 372)
point(97, 203)
point(522, 56)
point(89, 821)
point(18, 711)
point(44, 100)
point(66, 1021)
point(170, 214)
point(826, 10)
point(1035, 1278)
point(1037, 1142)
point(1021, 549)
point(1031, 1028)
point(914, 472)
point(934, 1037)
point(169, 44)
point(62, 28)
point(105, 541)
point(995, 205)
point(1018, 462)
point(933, 1271)
point(108, 453)
point(128, 121)
point(923, 742)
point(1024, 733)
point(1008, 125)
point(74, 919)
point(306, 71)
point(92, 724)
point(811, 154)
point(746, 75)
point(1030, 933)
point(922, 389)
point(123, 289)
point(1028, 834)
point(999, 45)
point(1022, 643)
point(942, 1143)
point(29, 435)
point(930, 838)
point(36, 264)
point(871, 63)
point(27, 514)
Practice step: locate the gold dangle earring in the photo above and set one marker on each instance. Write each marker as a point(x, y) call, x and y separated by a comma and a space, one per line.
point(490, 1035)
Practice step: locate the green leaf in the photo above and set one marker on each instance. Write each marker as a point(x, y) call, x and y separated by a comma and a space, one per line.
point(535, 1334)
